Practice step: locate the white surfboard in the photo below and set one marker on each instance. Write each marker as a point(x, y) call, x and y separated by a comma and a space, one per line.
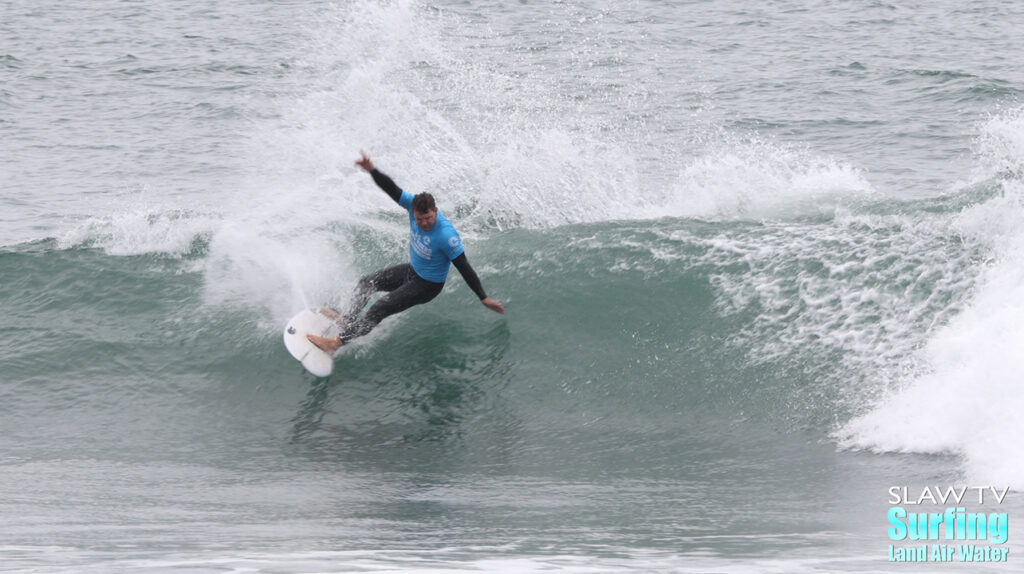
point(316, 360)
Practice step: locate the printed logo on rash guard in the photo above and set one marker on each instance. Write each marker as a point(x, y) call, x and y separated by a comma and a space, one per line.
point(421, 245)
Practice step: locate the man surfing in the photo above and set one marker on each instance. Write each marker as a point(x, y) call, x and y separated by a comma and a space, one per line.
point(434, 246)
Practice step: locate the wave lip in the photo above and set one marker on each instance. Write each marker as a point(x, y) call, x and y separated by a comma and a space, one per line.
point(758, 181)
point(141, 231)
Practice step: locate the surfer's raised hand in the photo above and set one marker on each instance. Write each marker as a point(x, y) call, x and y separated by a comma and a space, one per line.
point(364, 162)
point(492, 305)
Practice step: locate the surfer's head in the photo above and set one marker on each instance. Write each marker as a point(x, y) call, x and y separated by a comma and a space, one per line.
point(424, 210)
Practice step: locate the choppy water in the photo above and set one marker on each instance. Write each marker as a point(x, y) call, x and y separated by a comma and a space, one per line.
point(760, 260)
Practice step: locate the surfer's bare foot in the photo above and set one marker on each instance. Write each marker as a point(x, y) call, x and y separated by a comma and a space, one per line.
point(334, 316)
point(330, 313)
point(328, 344)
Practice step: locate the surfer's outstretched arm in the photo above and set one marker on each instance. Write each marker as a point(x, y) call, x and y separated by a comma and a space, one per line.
point(384, 182)
point(467, 272)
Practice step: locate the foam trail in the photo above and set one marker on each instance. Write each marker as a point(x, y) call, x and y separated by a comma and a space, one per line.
point(251, 266)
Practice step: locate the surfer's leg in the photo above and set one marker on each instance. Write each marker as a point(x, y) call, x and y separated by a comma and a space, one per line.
point(405, 290)
point(387, 279)
point(415, 291)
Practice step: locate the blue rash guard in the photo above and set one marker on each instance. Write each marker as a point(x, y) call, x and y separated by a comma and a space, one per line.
point(429, 256)
point(431, 252)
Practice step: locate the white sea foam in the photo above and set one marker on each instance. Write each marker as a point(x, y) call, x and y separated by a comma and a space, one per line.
point(756, 180)
point(864, 291)
point(505, 146)
point(274, 251)
point(969, 398)
point(137, 227)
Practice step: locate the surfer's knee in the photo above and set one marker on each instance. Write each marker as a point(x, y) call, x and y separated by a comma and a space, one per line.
point(367, 285)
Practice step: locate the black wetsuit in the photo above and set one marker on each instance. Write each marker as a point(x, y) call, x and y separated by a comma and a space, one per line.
point(404, 286)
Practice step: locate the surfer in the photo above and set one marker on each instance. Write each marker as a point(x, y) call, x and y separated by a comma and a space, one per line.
point(434, 246)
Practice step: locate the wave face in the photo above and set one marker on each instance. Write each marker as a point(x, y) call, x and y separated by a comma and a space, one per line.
point(804, 320)
point(759, 266)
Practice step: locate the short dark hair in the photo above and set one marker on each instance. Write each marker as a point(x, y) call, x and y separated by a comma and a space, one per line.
point(423, 202)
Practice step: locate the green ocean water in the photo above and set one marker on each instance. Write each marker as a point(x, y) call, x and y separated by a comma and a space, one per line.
point(641, 393)
point(760, 264)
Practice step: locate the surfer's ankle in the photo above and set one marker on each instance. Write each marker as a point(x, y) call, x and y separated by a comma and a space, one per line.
point(334, 343)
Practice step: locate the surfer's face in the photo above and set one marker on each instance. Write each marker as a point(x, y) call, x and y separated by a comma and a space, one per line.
point(425, 219)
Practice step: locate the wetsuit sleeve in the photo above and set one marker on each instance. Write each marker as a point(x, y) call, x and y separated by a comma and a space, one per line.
point(462, 264)
point(387, 184)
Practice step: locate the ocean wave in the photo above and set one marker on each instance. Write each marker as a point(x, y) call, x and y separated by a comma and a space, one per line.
point(965, 398)
point(144, 230)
